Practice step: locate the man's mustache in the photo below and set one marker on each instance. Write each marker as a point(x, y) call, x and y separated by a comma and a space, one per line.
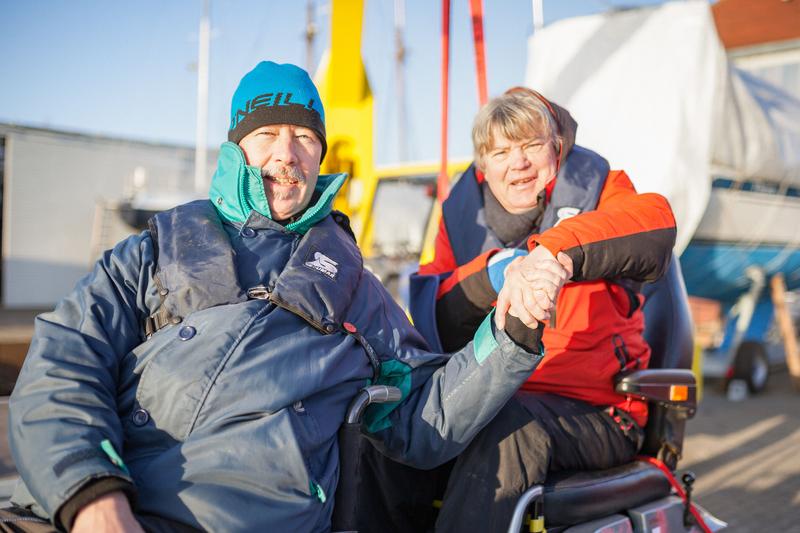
point(283, 172)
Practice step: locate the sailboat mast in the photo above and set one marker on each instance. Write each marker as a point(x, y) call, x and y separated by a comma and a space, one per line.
point(400, 60)
point(538, 14)
point(201, 140)
point(310, 34)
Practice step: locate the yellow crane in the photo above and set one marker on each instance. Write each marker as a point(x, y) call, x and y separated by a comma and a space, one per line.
point(346, 94)
point(349, 107)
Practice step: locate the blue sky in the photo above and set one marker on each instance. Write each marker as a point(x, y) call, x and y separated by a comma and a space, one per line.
point(126, 68)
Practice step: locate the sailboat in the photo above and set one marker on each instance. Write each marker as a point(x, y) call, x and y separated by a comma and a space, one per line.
point(653, 91)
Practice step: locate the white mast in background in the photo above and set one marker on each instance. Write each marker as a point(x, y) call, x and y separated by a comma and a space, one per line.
point(538, 14)
point(310, 34)
point(400, 60)
point(201, 140)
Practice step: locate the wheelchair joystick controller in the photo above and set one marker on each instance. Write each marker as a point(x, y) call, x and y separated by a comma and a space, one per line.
point(688, 479)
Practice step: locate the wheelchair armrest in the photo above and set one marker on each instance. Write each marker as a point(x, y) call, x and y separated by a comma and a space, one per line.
point(672, 387)
point(368, 395)
point(351, 445)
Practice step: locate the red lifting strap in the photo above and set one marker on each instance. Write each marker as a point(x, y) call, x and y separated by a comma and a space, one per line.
point(443, 181)
point(678, 489)
point(476, 13)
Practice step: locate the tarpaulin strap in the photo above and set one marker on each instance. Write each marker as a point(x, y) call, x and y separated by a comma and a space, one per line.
point(443, 181)
point(476, 13)
point(678, 489)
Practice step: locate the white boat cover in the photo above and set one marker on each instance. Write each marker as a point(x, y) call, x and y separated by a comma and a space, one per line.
point(652, 91)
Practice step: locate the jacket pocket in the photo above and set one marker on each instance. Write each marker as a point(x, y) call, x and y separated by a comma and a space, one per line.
point(624, 299)
point(320, 462)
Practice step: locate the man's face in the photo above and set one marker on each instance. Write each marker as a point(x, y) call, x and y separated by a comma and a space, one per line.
point(517, 171)
point(289, 158)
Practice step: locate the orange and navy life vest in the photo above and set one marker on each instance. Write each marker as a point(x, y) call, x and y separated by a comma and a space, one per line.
point(597, 331)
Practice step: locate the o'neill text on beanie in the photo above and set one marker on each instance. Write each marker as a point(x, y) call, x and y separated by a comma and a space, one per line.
point(276, 94)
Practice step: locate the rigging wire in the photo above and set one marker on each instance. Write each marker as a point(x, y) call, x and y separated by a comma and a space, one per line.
point(443, 181)
point(476, 14)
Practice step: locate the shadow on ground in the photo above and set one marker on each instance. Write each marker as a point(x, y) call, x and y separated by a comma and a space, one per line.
point(745, 456)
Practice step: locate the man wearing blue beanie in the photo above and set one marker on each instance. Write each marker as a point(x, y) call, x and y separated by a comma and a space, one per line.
point(196, 379)
point(278, 127)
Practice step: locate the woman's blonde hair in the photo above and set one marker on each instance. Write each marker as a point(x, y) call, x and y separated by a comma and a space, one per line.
point(517, 115)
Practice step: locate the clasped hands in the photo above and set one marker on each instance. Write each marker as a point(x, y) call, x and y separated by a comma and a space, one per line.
point(531, 286)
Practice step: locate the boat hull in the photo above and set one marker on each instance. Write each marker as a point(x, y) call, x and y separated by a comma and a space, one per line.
point(743, 227)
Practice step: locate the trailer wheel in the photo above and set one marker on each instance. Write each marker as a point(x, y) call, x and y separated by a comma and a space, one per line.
point(752, 366)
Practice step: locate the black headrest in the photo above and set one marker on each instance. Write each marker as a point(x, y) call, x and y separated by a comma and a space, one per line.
point(668, 322)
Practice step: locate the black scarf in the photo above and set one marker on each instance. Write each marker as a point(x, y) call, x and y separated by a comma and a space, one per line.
point(513, 230)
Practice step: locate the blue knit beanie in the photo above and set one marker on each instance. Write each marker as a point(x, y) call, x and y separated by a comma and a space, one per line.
point(276, 94)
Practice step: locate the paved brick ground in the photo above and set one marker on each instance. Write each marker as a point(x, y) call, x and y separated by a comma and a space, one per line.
point(746, 456)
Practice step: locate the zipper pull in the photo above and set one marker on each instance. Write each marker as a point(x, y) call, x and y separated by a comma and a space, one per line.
point(259, 292)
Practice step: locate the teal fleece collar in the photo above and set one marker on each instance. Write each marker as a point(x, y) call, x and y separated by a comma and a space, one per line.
point(237, 189)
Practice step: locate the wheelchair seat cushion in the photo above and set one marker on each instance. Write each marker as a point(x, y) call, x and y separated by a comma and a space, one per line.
point(572, 497)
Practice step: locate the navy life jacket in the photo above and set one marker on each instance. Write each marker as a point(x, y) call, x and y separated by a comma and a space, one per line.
point(195, 267)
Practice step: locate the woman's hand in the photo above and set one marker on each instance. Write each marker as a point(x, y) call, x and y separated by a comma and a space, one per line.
point(531, 287)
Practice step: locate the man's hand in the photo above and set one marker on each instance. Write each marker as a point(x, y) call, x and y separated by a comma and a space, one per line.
point(110, 512)
point(531, 287)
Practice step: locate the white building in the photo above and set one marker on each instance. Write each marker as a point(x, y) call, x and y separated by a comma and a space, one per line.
point(59, 196)
point(763, 37)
